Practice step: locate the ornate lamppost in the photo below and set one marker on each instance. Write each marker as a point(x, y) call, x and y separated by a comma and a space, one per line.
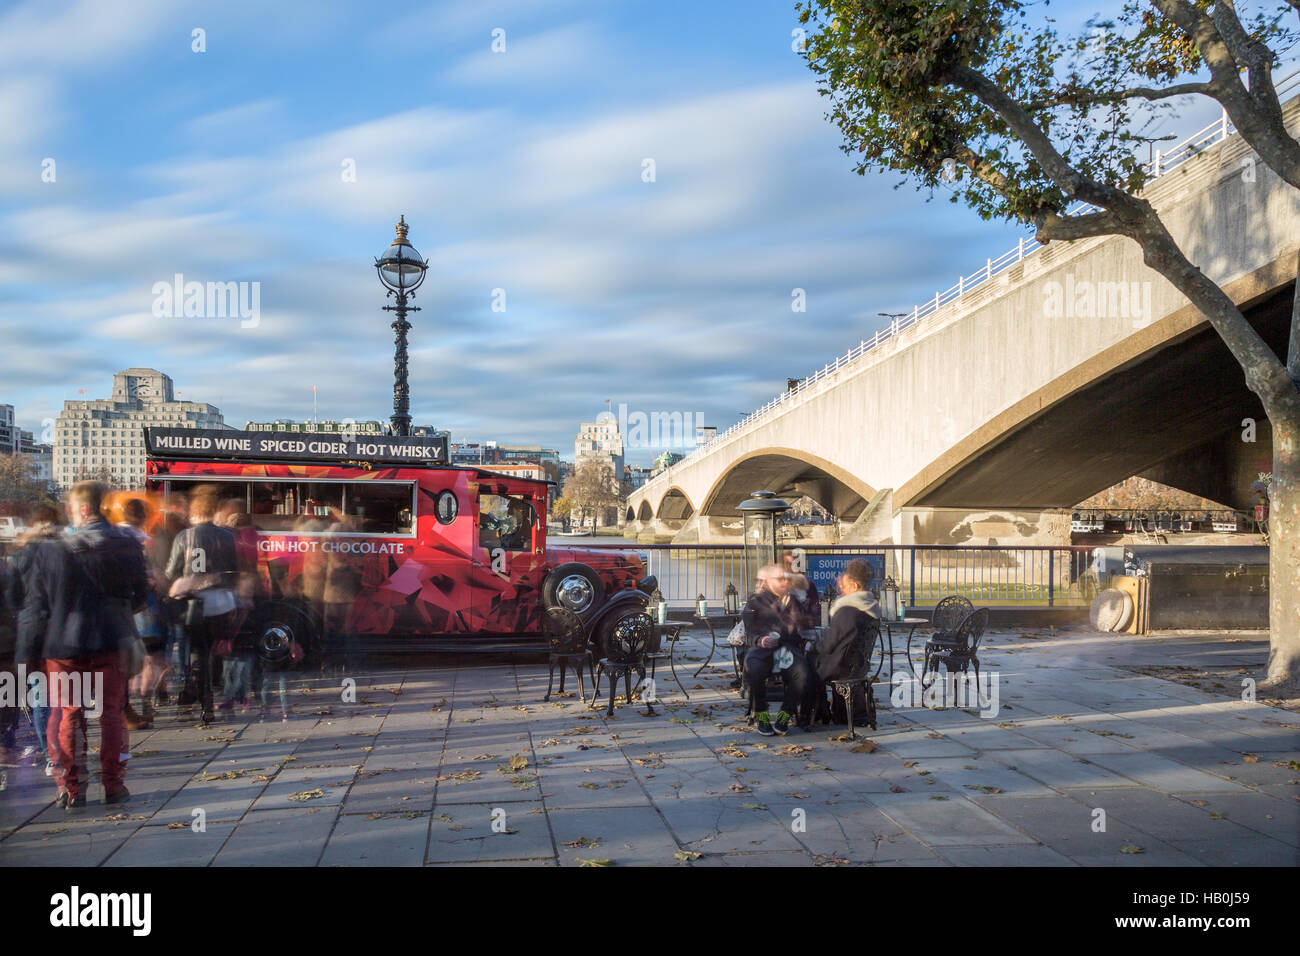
point(401, 270)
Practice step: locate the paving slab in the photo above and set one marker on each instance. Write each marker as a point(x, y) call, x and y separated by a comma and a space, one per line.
point(374, 839)
point(159, 845)
point(279, 838)
point(1000, 856)
point(464, 833)
point(947, 821)
point(1062, 771)
point(1161, 774)
point(626, 836)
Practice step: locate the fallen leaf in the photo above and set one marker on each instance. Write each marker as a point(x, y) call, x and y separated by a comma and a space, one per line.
point(303, 796)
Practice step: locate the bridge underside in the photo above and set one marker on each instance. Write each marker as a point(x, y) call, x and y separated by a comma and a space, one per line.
point(1173, 415)
point(788, 477)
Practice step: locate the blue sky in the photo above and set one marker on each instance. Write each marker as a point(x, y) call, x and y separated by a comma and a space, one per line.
point(519, 171)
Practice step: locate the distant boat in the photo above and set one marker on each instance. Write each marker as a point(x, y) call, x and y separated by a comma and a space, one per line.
point(571, 534)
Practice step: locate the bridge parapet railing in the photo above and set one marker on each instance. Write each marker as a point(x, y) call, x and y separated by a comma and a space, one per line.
point(990, 575)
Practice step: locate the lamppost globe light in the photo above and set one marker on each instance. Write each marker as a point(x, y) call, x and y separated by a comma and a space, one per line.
point(401, 271)
point(400, 268)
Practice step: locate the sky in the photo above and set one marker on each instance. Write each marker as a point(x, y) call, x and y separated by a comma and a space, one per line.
point(283, 152)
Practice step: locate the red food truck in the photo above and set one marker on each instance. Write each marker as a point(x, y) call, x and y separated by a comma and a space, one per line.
point(378, 536)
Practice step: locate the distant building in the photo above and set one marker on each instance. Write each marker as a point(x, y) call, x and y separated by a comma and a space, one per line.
point(666, 460)
point(286, 425)
point(600, 440)
point(106, 436)
point(636, 476)
point(18, 441)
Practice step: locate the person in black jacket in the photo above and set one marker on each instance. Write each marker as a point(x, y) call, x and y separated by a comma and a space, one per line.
point(772, 621)
point(80, 605)
point(8, 642)
point(845, 649)
point(44, 525)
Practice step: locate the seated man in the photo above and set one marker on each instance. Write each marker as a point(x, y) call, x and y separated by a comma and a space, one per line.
point(845, 648)
point(772, 621)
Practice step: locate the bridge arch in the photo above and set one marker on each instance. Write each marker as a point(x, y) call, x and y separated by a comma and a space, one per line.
point(645, 512)
point(674, 505)
point(789, 472)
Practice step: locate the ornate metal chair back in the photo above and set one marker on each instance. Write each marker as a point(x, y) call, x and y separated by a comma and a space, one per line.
point(971, 630)
point(950, 612)
point(628, 640)
point(564, 631)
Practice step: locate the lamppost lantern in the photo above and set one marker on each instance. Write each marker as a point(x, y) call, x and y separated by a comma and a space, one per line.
point(731, 599)
point(401, 271)
point(701, 606)
point(658, 607)
point(889, 601)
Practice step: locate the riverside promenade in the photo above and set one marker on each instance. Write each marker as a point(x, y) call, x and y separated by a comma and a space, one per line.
point(1090, 760)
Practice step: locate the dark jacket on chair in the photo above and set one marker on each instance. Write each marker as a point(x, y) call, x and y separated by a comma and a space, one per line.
point(845, 649)
point(764, 614)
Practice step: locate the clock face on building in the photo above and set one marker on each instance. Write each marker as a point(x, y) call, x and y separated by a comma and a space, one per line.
point(447, 507)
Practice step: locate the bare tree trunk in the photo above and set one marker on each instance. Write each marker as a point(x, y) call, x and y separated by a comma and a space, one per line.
point(1284, 555)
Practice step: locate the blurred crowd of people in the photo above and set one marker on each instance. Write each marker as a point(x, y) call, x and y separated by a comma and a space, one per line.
point(133, 615)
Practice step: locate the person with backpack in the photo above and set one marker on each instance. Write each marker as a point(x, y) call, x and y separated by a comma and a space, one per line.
point(77, 617)
point(202, 570)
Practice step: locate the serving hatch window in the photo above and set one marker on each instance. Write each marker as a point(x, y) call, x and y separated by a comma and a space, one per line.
point(505, 521)
point(289, 506)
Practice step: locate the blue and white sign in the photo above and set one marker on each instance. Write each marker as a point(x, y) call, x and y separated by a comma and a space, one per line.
point(823, 569)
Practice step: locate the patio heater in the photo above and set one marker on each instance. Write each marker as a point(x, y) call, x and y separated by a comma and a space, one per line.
point(761, 511)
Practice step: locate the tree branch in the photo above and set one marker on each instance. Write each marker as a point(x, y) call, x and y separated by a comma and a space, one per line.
point(1293, 350)
point(1068, 179)
point(1255, 112)
point(1055, 226)
point(1079, 97)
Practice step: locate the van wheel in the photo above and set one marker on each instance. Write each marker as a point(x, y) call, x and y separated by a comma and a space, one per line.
point(574, 587)
point(277, 629)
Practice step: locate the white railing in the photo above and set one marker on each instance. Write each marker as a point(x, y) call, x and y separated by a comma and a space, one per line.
point(1161, 163)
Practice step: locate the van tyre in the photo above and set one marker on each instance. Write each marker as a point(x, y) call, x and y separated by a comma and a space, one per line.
point(575, 587)
point(273, 630)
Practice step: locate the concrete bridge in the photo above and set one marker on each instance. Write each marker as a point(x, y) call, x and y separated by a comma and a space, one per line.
point(1046, 377)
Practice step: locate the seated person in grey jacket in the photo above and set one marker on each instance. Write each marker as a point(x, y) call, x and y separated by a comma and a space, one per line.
point(846, 647)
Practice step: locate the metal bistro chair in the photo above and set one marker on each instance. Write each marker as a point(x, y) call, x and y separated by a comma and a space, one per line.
point(949, 613)
point(844, 688)
point(568, 646)
point(959, 652)
point(626, 649)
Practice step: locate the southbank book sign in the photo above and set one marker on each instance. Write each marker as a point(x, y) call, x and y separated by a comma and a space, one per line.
point(293, 446)
point(823, 569)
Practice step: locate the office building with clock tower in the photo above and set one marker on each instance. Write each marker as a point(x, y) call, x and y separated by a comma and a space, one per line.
point(104, 438)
